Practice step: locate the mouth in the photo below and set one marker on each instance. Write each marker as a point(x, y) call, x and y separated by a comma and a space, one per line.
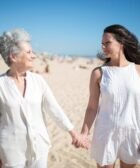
point(105, 51)
point(106, 54)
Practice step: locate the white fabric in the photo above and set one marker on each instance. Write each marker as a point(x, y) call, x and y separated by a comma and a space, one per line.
point(41, 163)
point(23, 132)
point(117, 126)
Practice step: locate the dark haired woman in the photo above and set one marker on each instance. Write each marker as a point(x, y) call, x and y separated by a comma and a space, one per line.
point(114, 102)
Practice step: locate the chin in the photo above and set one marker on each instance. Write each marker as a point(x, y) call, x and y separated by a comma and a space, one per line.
point(107, 55)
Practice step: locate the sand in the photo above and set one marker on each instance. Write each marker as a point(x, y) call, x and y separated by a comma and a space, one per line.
point(69, 82)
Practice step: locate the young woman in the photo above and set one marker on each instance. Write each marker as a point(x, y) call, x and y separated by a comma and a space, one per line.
point(114, 102)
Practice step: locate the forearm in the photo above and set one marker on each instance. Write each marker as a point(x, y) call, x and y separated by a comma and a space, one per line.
point(88, 121)
point(82, 139)
point(51, 106)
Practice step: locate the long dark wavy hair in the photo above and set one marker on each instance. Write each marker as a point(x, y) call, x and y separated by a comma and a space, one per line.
point(128, 40)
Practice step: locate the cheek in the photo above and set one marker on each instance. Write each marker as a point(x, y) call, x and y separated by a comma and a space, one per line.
point(108, 49)
point(116, 49)
point(25, 58)
point(113, 49)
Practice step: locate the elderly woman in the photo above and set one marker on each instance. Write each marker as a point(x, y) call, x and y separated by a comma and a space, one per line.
point(25, 98)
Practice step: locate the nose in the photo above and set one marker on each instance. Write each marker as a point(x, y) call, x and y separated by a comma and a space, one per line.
point(33, 55)
point(103, 47)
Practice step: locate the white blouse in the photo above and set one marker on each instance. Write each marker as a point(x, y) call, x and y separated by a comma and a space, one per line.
point(23, 132)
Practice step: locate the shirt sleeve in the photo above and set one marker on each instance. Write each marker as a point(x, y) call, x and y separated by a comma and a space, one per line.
point(51, 106)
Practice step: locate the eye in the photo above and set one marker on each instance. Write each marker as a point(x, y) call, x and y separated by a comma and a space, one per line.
point(29, 51)
point(106, 43)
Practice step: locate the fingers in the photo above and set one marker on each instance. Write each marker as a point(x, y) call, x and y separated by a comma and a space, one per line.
point(81, 141)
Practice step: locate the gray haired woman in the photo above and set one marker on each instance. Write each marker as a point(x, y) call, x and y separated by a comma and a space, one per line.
point(25, 98)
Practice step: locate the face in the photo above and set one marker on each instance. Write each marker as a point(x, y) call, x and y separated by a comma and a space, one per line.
point(110, 46)
point(24, 59)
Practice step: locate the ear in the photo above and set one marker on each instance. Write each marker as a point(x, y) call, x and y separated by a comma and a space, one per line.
point(12, 58)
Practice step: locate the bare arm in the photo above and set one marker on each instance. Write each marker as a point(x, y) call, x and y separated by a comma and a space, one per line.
point(138, 69)
point(92, 107)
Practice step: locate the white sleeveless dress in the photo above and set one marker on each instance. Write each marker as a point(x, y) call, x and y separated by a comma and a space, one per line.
point(117, 126)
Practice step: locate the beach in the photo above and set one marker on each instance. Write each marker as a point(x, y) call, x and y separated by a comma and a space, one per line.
point(70, 84)
point(69, 81)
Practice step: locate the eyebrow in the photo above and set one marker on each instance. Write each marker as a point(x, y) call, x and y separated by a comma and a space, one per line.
point(106, 42)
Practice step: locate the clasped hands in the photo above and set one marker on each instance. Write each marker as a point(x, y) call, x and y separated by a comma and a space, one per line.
point(80, 140)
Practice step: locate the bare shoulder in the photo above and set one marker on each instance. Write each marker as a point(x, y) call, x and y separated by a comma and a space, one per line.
point(96, 74)
point(138, 68)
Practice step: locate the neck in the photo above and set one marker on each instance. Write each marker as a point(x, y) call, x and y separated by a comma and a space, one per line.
point(16, 74)
point(120, 61)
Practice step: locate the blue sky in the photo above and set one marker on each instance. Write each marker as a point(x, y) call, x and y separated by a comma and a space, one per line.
point(68, 26)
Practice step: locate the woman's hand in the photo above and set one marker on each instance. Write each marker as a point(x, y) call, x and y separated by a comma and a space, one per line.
point(83, 142)
point(79, 140)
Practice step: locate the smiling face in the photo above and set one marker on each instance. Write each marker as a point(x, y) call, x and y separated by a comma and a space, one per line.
point(24, 59)
point(110, 46)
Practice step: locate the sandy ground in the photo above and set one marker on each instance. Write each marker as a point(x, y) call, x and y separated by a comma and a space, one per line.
point(70, 86)
point(69, 81)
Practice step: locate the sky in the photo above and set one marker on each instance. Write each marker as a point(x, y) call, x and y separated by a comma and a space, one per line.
point(68, 27)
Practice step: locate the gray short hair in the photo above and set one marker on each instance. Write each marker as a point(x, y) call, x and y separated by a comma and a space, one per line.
point(9, 43)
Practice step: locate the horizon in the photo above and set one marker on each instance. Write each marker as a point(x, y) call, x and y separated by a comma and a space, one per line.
point(69, 28)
